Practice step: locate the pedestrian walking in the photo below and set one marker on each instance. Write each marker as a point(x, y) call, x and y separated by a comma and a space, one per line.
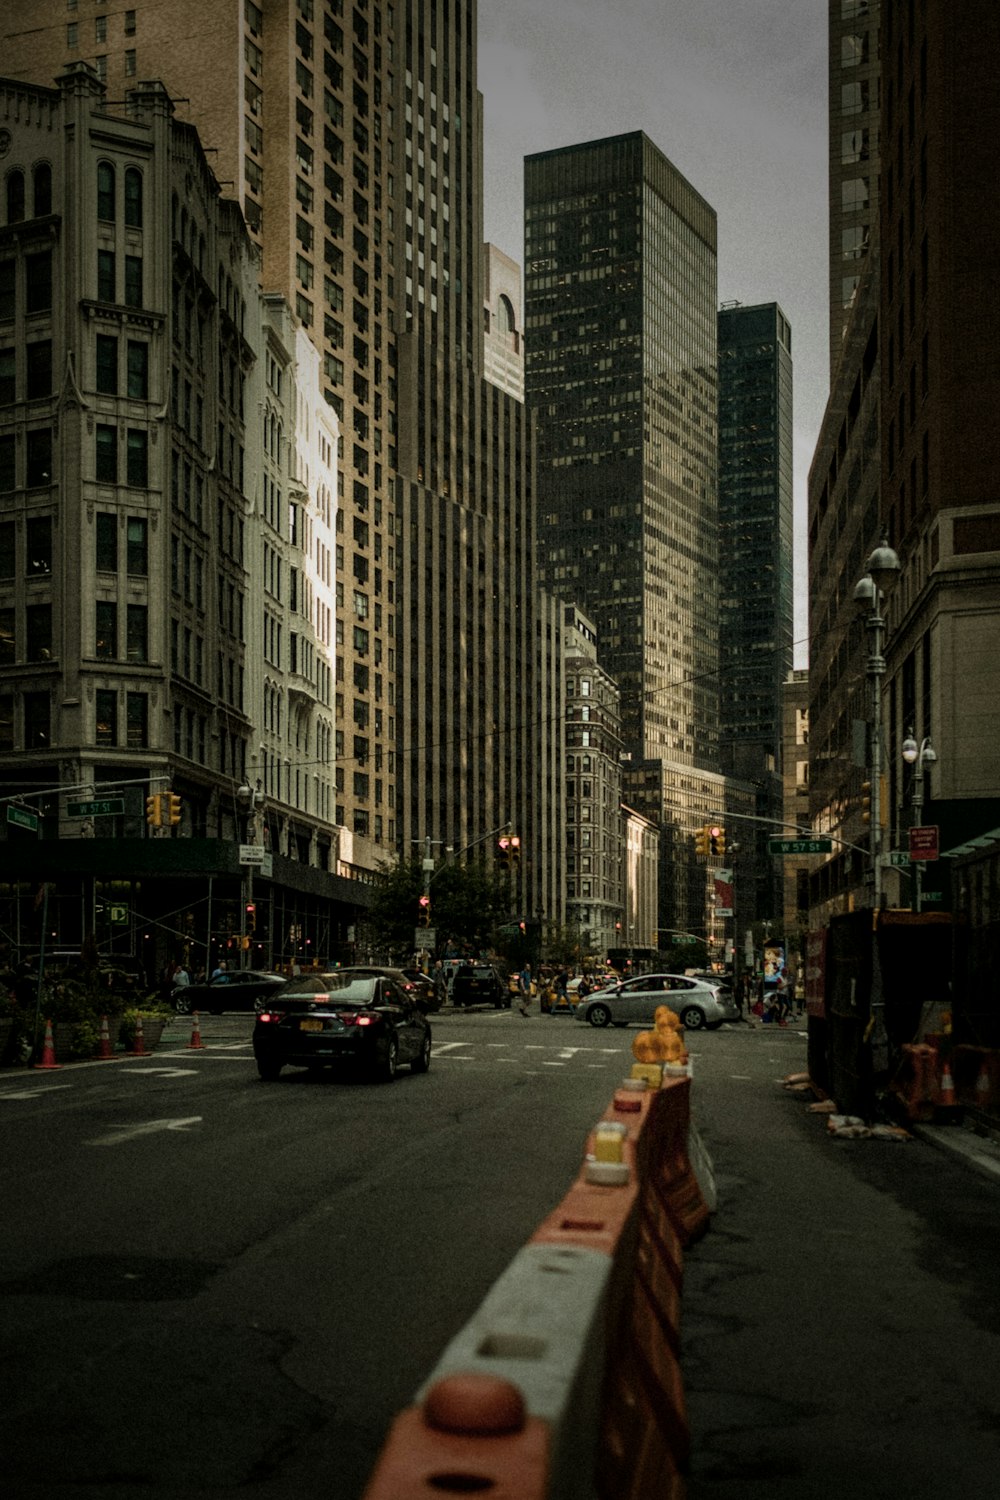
point(440, 983)
point(525, 986)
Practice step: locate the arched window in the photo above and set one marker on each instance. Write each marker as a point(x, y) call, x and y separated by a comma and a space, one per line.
point(505, 315)
point(105, 190)
point(133, 198)
point(15, 197)
point(43, 190)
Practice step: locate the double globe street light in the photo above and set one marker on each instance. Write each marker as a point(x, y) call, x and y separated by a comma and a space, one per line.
point(918, 756)
point(881, 573)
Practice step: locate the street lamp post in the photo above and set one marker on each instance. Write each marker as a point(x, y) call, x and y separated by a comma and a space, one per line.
point(881, 572)
point(918, 756)
point(249, 799)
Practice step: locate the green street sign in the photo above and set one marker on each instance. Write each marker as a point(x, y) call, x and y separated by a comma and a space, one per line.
point(897, 858)
point(104, 807)
point(800, 846)
point(21, 818)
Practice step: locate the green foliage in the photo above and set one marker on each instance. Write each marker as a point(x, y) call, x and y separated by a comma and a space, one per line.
point(681, 956)
point(468, 903)
point(84, 1039)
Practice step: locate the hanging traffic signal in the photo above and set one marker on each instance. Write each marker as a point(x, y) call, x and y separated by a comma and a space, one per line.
point(154, 810)
point(701, 839)
point(515, 849)
point(424, 911)
point(173, 807)
point(503, 853)
point(716, 841)
point(251, 913)
point(866, 802)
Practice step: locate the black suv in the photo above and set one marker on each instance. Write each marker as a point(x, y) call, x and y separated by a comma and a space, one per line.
point(479, 984)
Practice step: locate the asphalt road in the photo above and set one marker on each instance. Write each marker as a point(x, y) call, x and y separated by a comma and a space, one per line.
point(214, 1286)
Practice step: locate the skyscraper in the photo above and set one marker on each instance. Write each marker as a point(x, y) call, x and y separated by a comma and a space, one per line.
point(755, 571)
point(620, 303)
point(350, 137)
point(854, 127)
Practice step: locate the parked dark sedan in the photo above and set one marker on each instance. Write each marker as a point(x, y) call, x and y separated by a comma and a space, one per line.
point(243, 989)
point(321, 1020)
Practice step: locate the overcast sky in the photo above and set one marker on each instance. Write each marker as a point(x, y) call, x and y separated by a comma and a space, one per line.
point(733, 92)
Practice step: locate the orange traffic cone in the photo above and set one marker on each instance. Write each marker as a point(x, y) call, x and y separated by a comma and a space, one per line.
point(138, 1046)
point(946, 1092)
point(105, 1048)
point(196, 1042)
point(48, 1050)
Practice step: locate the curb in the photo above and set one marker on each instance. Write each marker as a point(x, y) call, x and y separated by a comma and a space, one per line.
point(973, 1151)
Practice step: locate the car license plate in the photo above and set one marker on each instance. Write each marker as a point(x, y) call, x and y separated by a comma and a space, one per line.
point(310, 1025)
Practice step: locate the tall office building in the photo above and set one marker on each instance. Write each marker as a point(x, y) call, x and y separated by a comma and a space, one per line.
point(907, 451)
point(755, 574)
point(854, 128)
point(351, 138)
point(620, 301)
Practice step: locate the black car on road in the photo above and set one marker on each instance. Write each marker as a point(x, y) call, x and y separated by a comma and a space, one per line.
point(241, 989)
point(365, 1021)
point(479, 984)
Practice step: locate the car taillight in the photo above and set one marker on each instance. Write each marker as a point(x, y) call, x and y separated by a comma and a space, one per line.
point(352, 1018)
point(267, 1016)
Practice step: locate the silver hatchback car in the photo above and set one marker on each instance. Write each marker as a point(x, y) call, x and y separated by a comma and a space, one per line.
point(697, 1002)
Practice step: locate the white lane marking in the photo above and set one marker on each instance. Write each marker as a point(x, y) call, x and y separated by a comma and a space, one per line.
point(440, 1047)
point(167, 1072)
point(742, 1077)
point(38, 1093)
point(551, 1064)
point(130, 1132)
point(438, 1053)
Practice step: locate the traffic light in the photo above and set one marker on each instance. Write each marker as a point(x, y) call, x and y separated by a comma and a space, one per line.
point(866, 802)
point(503, 853)
point(251, 911)
point(701, 839)
point(154, 810)
point(716, 841)
point(424, 911)
point(173, 807)
point(515, 849)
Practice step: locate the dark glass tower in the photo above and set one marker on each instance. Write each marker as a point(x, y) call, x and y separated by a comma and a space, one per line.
point(620, 275)
point(620, 304)
point(755, 566)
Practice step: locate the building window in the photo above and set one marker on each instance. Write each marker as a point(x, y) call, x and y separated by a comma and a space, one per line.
point(106, 726)
point(137, 720)
point(133, 187)
point(137, 546)
point(8, 454)
point(38, 563)
point(72, 34)
point(107, 364)
point(106, 275)
point(137, 458)
point(43, 190)
point(8, 377)
point(8, 304)
point(130, 63)
point(106, 542)
point(36, 721)
point(7, 544)
point(38, 632)
point(15, 197)
point(105, 191)
point(7, 638)
point(106, 630)
point(39, 370)
point(133, 281)
point(136, 632)
point(101, 35)
point(130, 23)
point(106, 465)
point(38, 282)
point(39, 457)
point(6, 722)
